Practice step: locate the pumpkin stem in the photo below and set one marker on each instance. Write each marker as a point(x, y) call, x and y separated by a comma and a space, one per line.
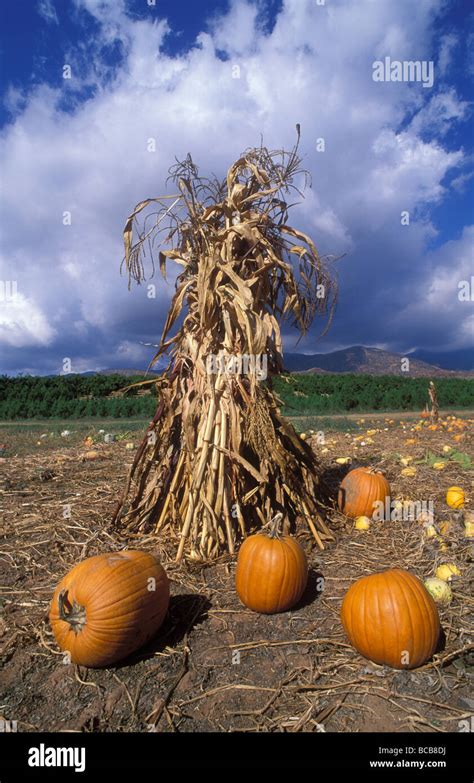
point(74, 614)
point(275, 529)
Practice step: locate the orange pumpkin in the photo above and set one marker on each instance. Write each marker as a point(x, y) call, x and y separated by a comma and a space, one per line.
point(108, 606)
point(272, 571)
point(360, 490)
point(391, 619)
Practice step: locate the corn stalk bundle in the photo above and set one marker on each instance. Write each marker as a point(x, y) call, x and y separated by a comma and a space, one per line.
point(218, 459)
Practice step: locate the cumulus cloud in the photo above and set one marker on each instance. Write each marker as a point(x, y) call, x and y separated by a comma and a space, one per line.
point(22, 323)
point(238, 81)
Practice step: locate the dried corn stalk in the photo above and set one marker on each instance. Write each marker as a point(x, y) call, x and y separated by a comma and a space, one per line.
point(218, 459)
point(434, 413)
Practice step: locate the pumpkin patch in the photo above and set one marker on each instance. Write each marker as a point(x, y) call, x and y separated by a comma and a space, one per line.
point(270, 614)
point(304, 600)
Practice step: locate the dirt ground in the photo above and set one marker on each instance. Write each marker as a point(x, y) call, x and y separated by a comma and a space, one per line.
point(214, 664)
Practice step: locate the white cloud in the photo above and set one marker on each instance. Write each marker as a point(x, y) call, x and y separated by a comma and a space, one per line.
point(314, 68)
point(408, 170)
point(452, 264)
point(104, 10)
point(447, 46)
point(439, 115)
point(236, 32)
point(432, 303)
point(459, 183)
point(47, 10)
point(22, 323)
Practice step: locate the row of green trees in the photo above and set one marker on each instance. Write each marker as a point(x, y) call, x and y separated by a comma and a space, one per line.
point(69, 387)
point(76, 409)
point(71, 396)
point(314, 393)
point(77, 396)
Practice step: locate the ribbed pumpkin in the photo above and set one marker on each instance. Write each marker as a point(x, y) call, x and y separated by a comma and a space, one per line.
point(391, 619)
point(108, 606)
point(272, 571)
point(360, 489)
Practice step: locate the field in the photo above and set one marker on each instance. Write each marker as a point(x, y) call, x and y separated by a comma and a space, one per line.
point(216, 665)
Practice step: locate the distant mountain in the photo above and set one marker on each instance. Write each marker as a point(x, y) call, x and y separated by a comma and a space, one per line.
point(453, 360)
point(357, 359)
point(362, 360)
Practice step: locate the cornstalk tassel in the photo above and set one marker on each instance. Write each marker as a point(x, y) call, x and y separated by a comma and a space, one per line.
point(218, 459)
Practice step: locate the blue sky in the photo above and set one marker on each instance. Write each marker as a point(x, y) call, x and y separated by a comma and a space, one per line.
point(165, 71)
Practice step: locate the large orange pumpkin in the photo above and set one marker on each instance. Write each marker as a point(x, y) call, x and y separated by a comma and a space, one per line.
point(108, 606)
point(360, 490)
point(391, 619)
point(272, 571)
